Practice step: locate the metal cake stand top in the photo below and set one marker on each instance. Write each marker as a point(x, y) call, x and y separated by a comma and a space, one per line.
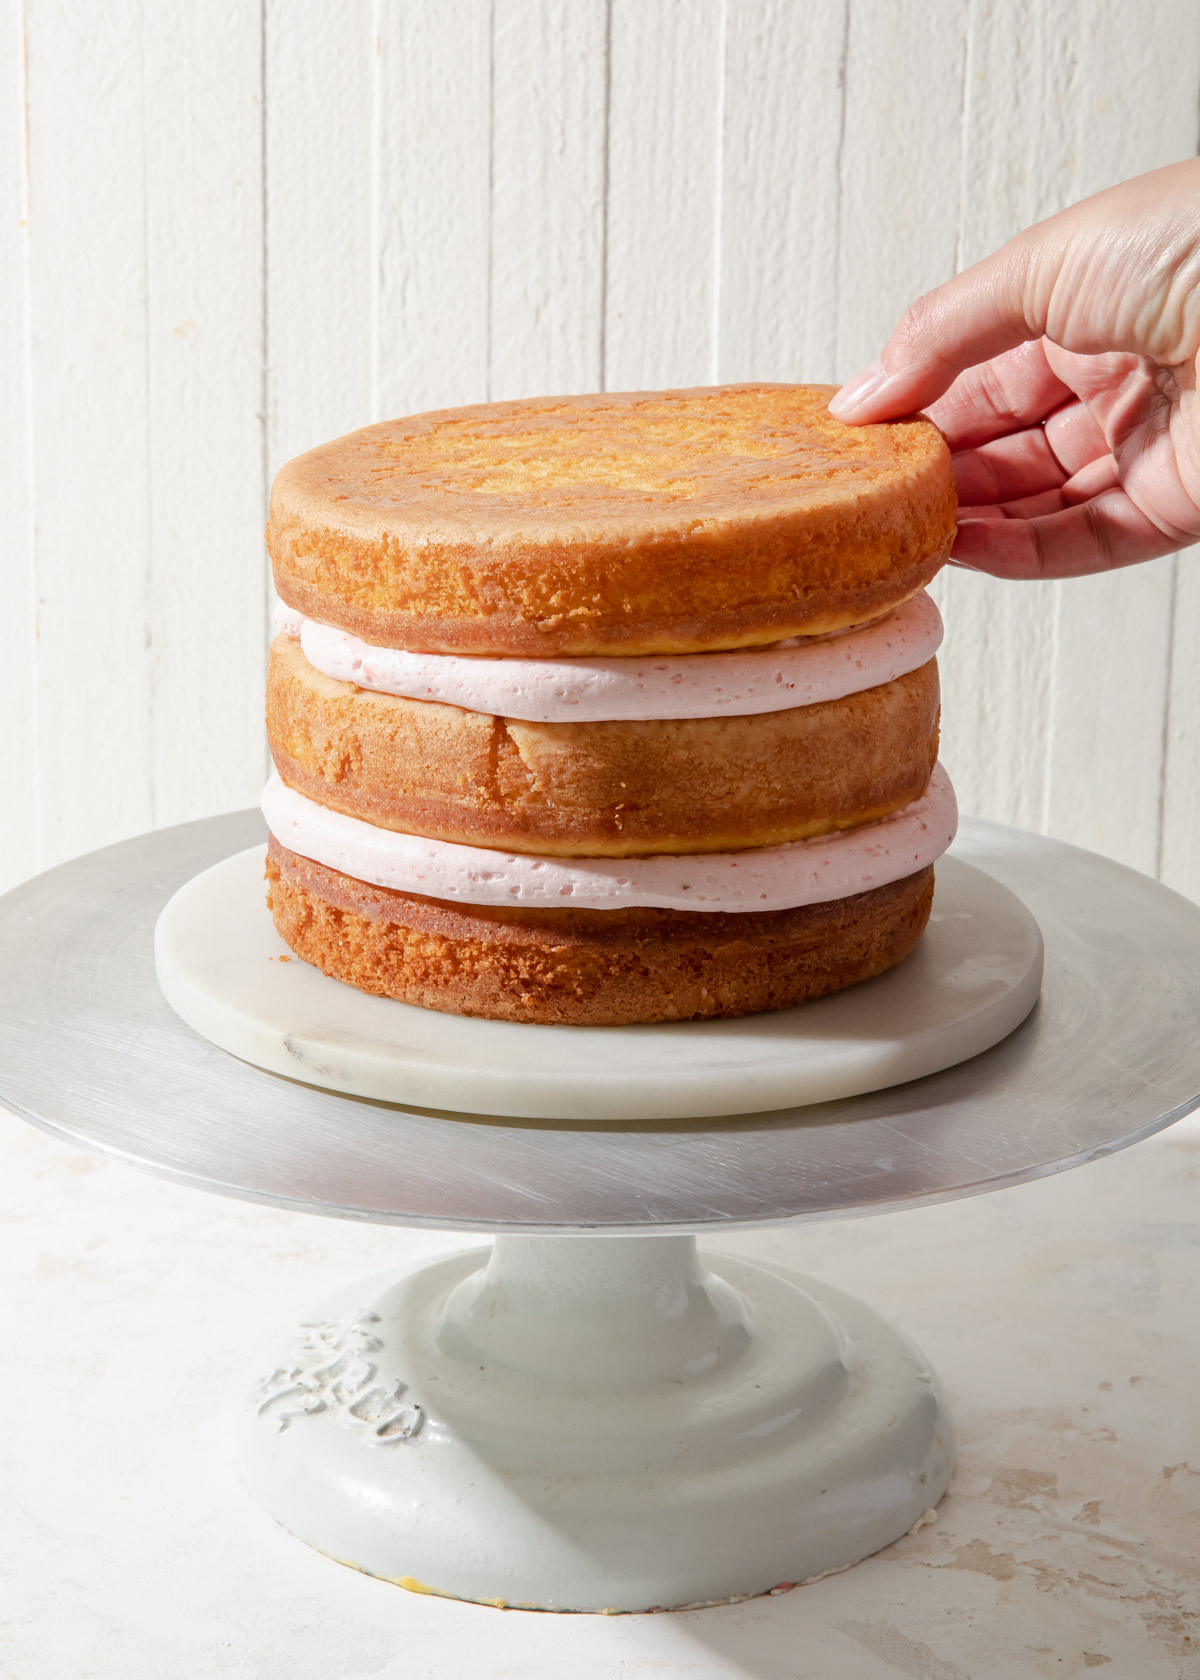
point(91, 1052)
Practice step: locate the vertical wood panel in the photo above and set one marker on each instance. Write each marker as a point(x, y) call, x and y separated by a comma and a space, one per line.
point(89, 368)
point(1128, 79)
point(320, 90)
point(19, 849)
point(780, 189)
point(901, 136)
point(663, 182)
point(1104, 778)
point(433, 191)
point(1051, 112)
point(547, 208)
point(998, 660)
point(997, 667)
point(926, 112)
point(1179, 862)
point(204, 392)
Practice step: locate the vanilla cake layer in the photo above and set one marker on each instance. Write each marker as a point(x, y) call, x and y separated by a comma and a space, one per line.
point(573, 967)
point(600, 789)
point(619, 524)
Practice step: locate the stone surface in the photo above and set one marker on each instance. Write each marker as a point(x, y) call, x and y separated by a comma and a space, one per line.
point(1061, 1317)
point(972, 979)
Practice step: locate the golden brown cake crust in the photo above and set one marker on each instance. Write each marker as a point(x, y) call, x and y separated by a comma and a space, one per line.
point(587, 967)
point(626, 524)
point(600, 789)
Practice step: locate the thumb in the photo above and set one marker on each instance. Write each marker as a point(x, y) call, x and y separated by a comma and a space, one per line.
point(987, 309)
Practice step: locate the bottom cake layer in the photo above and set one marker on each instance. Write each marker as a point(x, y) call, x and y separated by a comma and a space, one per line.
point(587, 968)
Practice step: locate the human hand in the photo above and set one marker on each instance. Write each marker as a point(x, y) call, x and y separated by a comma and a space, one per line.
point(1062, 370)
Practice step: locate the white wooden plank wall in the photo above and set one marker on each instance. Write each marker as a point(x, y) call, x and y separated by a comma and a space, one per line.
point(205, 622)
point(549, 91)
point(20, 819)
point(92, 679)
point(232, 229)
point(320, 235)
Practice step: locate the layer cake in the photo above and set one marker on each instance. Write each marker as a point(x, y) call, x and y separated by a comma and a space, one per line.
point(609, 709)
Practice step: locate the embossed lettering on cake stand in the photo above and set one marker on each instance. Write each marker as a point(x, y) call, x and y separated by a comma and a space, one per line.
point(334, 1372)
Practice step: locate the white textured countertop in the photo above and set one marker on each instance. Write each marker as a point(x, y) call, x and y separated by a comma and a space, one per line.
point(1063, 1318)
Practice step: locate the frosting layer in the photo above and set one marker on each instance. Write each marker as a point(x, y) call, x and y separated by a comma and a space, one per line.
point(737, 684)
point(767, 878)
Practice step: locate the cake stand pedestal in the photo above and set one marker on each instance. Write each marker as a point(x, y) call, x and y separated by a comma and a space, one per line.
point(590, 1415)
point(603, 1423)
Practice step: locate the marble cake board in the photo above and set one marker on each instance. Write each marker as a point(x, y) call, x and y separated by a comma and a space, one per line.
point(973, 978)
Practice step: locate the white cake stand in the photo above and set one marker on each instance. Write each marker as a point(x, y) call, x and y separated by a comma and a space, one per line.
point(596, 1423)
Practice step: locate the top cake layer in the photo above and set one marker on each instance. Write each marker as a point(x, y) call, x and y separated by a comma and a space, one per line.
point(625, 524)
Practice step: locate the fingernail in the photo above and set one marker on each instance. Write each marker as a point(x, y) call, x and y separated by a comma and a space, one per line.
point(857, 391)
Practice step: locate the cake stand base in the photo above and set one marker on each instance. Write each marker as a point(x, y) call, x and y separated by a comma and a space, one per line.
point(603, 1424)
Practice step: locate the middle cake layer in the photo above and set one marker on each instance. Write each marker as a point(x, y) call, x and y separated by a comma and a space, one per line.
point(601, 789)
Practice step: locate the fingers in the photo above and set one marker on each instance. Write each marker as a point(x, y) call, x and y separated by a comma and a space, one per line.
point(1094, 480)
point(1075, 436)
point(981, 313)
point(1031, 507)
point(1117, 272)
point(1015, 390)
point(1100, 535)
point(1021, 465)
point(1028, 462)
